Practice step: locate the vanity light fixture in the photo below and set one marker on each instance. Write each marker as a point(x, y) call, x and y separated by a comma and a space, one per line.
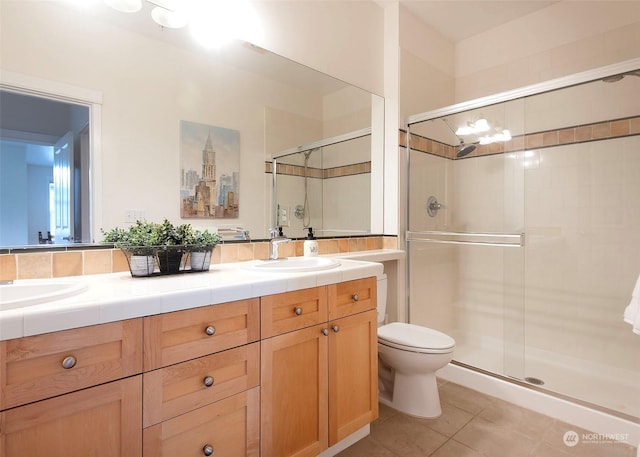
point(125, 6)
point(213, 23)
point(173, 19)
point(479, 126)
point(166, 13)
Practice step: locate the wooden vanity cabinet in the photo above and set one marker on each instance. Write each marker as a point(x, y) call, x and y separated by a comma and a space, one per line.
point(73, 393)
point(319, 383)
point(201, 381)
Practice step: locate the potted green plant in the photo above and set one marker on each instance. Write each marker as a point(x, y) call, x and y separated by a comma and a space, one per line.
point(139, 243)
point(201, 245)
point(172, 241)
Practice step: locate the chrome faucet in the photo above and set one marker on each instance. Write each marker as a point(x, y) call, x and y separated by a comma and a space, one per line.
point(277, 238)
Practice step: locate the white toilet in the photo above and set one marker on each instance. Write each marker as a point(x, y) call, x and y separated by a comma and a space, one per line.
point(408, 357)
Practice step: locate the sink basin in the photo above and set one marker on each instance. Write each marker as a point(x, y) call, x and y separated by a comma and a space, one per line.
point(295, 264)
point(34, 292)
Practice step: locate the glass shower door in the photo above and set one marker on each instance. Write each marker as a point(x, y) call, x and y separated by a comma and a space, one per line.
point(465, 238)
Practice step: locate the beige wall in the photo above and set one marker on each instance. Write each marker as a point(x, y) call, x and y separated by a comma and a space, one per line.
point(565, 38)
point(341, 38)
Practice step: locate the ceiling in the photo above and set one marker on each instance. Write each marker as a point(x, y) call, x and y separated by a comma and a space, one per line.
point(460, 19)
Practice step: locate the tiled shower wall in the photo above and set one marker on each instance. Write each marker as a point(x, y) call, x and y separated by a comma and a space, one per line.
point(54, 264)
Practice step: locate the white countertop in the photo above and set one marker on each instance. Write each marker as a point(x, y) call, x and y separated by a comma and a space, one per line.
point(118, 296)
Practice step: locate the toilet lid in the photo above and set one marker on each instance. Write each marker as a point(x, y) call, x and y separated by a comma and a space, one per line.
point(414, 336)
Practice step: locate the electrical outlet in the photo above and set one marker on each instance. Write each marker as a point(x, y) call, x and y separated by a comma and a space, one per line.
point(133, 215)
point(284, 216)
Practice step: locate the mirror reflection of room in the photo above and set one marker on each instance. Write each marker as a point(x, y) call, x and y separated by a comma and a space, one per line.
point(326, 187)
point(272, 102)
point(44, 170)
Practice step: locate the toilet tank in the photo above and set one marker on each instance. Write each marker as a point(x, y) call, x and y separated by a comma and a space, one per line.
point(382, 298)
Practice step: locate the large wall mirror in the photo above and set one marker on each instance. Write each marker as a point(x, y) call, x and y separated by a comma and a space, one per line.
point(141, 84)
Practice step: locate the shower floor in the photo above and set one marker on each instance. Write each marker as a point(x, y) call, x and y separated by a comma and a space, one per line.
point(609, 387)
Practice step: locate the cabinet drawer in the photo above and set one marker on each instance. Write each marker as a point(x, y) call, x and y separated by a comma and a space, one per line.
point(99, 421)
point(352, 297)
point(230, 427)
point(183, 335)
point(281, 313)
point(175, 390)
point(33, 368)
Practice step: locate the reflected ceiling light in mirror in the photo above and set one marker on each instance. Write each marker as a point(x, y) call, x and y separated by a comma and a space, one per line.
point(505, 135)
point(216, 23)
point(125, 6)
point(479, 126)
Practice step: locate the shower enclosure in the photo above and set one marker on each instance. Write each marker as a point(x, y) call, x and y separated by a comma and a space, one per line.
point(527, 248)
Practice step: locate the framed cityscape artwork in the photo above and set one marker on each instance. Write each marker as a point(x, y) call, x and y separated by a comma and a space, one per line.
point(210, 171)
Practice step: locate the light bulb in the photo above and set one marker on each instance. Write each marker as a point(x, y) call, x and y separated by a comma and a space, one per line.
point(169, 19)
point(125, 6)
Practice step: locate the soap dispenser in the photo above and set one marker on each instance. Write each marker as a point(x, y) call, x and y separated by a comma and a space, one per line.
point(310, 244)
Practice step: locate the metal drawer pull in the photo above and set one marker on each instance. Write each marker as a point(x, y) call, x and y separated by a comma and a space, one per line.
point(325, 331)
point(207, 449)
point(210, 330)
point(335, 328)
point(208, 381)
point(297, 310)
point(355, 297)
point(69, 362)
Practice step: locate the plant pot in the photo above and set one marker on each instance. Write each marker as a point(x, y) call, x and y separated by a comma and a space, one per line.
point(170, 260)
point(201, 260)
point(141, 265)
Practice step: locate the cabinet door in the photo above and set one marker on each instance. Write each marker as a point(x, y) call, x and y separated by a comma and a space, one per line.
point(351, 297)
point(294, 394)
point(183, 335)
point(42, 366)
point(103, 421)
point(353, 374)
point(229, 427)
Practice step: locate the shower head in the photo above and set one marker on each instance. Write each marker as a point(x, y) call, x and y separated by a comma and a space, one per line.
point(309, 152)
point(465, 149)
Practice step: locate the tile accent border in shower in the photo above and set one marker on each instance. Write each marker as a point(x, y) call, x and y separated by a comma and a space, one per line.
point(569, 135)
point(319, 173)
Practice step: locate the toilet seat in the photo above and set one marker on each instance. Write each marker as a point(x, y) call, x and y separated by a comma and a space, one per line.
point(415, 338)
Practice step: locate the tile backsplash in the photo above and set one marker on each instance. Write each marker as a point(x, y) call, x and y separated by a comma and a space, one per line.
point(56, 264)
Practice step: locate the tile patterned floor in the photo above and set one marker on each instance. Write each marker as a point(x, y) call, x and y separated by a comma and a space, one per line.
point(476, 425)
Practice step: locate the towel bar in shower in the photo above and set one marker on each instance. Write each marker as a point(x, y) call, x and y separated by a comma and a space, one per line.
point(515, 240)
